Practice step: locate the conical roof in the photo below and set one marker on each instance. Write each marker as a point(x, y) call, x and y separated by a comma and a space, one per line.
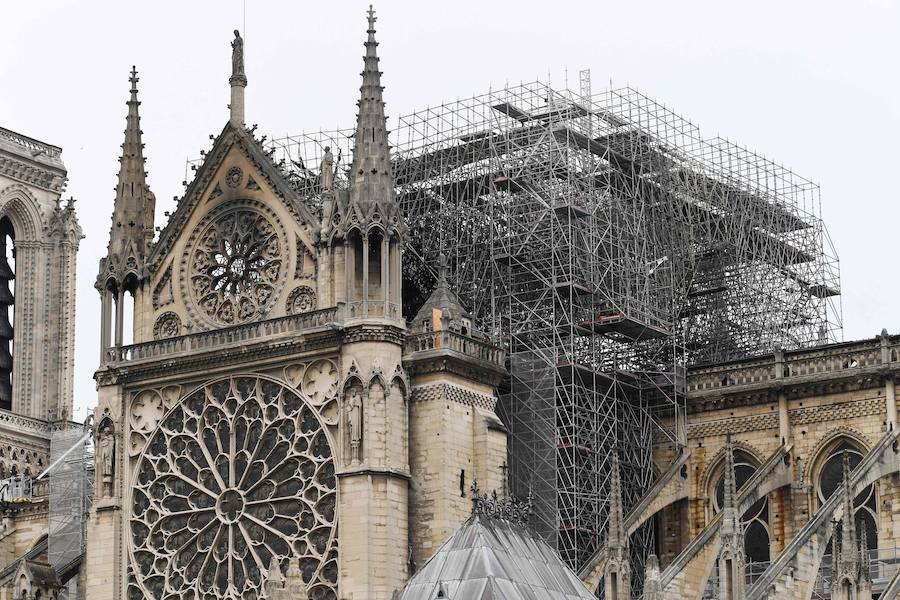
point(442, 298)
point(496, 559)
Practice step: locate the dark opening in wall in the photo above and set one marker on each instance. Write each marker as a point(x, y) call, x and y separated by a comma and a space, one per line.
point(7, 309)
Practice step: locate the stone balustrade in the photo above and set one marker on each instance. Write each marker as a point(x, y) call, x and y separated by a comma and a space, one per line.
point(451, 340)
point(33, 145)
point(22, 423)
point(832, 360)
point(218, 338)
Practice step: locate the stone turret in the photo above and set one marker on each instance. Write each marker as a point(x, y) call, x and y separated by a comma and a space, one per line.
point(617, 575)
point(454, 434)
point(124, 268)
point(731, 556)
point(363, 253)
point(364, 236)
point(850, 562)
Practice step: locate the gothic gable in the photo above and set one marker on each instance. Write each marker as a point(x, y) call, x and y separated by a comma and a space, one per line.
point(240, 247)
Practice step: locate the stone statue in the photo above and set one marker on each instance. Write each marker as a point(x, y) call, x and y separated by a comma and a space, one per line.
point(107, 460)
point(354, 423)
point(327, 174)
point(237, 54)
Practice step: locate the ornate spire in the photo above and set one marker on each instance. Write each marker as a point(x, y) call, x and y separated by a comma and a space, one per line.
point(132, 219)
point(848, 527)
point(617, 536)
point(372, 189)
point(730, 487)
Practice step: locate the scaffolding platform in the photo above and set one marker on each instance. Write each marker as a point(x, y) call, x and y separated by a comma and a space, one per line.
point(619, 324)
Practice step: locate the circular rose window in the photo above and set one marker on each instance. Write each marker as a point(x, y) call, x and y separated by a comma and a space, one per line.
point(237, 475)
point(235, 266)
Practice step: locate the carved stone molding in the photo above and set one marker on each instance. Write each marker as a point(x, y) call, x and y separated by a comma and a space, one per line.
point(167, 325)
point(301, 299)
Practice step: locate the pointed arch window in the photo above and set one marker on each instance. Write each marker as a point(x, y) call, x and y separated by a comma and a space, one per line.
point(830, 478)
point(756, 519)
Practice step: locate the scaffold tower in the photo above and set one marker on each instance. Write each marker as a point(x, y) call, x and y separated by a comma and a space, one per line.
point(607, 246)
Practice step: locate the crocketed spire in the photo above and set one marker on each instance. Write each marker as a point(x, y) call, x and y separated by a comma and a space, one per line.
point(372, 184)
point(617, 536)
point(132, 219)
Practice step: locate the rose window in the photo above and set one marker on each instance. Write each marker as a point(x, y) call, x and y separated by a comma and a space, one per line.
point(237, 475)
point(236, 267)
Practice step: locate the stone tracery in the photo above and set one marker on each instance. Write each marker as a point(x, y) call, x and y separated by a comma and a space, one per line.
point(238, 473)
point(236, 267)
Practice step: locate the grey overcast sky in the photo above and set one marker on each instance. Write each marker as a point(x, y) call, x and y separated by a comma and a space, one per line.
point(811, 84)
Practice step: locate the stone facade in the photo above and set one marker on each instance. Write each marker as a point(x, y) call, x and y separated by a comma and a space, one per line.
point(274, 415)
point(40, 238)
point(815, 405)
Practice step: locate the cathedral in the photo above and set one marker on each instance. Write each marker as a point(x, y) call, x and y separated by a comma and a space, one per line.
point(285, 424)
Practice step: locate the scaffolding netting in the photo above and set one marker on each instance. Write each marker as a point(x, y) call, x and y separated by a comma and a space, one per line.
point(70, 494)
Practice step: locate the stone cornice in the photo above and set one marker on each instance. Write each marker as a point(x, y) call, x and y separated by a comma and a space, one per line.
point(816, 384)
point(449, 361)
point(31, 162)
point(213, 358)
point(19, 424)
point(373, 332)
point(372, 471)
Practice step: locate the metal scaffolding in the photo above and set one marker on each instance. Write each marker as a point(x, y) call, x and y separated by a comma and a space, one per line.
point(71, 475)
point(605, 245)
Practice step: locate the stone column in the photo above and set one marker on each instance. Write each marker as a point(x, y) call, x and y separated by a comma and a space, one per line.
point(890, 397)
point(120, 316)
point(238, 85)
point(105, 316)
point(348, 270)
point(365, 274)
point(385, 272)
point(784, 422)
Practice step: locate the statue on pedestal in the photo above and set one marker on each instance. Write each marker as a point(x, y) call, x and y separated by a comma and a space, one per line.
point(107, 444)
point(326, 177)
point(237, 55)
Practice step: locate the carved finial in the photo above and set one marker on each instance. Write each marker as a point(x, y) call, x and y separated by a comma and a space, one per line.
point(616, 535)
point(134, 81)
point(730, 487)
point(274, 577)
point(372, 19)
point(442, 268)
point(848, 530)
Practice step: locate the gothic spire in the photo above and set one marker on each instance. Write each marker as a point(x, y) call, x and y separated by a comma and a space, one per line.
point(372, 183)
point(617, 535)
point(848, 526)
point(730, 488)
point(132, 220)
